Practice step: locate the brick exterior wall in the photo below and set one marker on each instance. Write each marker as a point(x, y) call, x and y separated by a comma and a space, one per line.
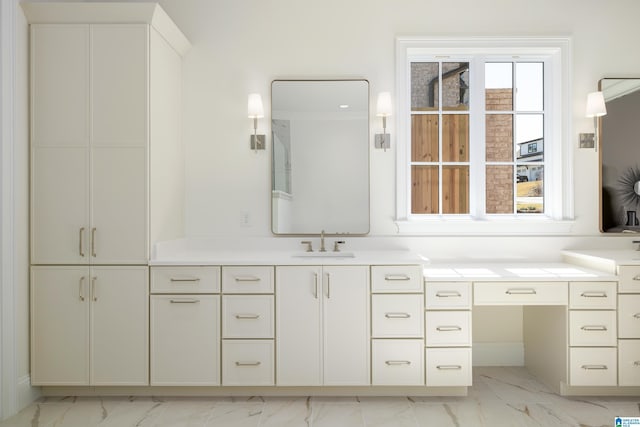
point(499, 148)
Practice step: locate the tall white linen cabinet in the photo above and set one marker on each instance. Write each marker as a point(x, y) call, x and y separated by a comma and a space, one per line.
point(106, 152)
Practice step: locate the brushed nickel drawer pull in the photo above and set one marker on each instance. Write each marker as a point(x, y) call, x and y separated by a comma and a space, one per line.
point(636, 277)
point(397, 362)
point(599, 328)
point(315, 292)
point(94, 294)
point(397, 315)
point(636, 363)
point(248, 363)
point(93, 242)
point(529, 291)
point(247, 316)
point(184, 301)
point(81, 242)
point(594, 294)
point(81, 290)
point(448, 294)
point(637, 315)
point(595, 367)
point(247, 279)
point(328, 286)
point(448, 328)
point(185, 280)
point(396, 277)
point(449, 367)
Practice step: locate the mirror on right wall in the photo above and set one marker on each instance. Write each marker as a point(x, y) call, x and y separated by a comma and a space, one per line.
point(619, 134)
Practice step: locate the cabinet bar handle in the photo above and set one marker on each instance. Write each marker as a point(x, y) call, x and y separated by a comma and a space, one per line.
point(81, 242)
point(194, 279)
point(328, 286)
point(81, 290)
point(594, 294)
point(636, 277)
point(637, 315)
point(448, 328)
point(247, 279)
point(529, 291)
point(449, 367)
point(184, 301)
point(315, 280)
point(636, 363)
point(594, 367)
point(247, 316)
point(396, 277)
point(248, 363)
point(93, 242)
point(94, 295)
point(594, 328)
point(448, 294)
point(397, 362)
point(397, 315)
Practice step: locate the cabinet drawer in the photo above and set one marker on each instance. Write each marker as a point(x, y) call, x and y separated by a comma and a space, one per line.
point(396, 278)
point(247, 280)
point(397, 362)
point(629, 279)
point(247, 316)
point(447, 295)
point(629, 362)
point(448, 367)
point(185, 339)
point(185, 280)
point(397, 316)
point(520, 293)
point(590, 366)
point(593, 295)
point(247, 363)
point(448, 328)
point(628, 316)
point(592, 328)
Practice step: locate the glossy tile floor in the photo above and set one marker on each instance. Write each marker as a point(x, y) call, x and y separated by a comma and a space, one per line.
point(499, 397)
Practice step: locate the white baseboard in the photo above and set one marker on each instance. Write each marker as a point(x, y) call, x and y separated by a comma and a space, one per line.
point(27, 394)
point(498, 354)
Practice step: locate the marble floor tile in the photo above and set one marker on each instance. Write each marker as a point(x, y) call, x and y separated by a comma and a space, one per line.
point(502, 397)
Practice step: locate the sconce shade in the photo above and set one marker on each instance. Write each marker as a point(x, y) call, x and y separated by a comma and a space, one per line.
point(384, 104)
point(254, 106)
point(595, 105)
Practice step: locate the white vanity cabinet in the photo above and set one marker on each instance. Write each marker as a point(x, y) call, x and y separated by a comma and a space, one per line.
point(629, 326)
point(248, 326)
point(322, 325)
point(89, 325)
point(185, 326)
point(397, 325)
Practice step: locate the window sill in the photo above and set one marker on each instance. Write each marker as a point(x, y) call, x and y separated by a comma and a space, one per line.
point(467, 226)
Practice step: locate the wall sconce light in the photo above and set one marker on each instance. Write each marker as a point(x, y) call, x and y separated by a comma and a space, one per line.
point(383, 109)
point(595, 108)
point(255, 112)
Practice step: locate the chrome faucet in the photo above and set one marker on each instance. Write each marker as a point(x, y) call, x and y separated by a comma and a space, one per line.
point(322, 249)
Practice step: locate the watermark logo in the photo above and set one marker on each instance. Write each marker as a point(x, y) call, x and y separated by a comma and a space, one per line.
point(627, 421)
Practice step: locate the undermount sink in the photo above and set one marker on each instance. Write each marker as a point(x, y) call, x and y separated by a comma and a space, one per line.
point(324, 255)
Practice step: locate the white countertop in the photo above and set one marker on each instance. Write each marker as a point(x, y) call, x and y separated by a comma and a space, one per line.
point(603, 259)
point(512, 272)
point(281, 257)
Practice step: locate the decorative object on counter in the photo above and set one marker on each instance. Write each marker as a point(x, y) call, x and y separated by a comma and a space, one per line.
point(384, 110)
point(255, 112)
point(632, 219)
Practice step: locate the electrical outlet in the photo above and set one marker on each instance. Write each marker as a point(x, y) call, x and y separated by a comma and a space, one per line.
point(244, 219)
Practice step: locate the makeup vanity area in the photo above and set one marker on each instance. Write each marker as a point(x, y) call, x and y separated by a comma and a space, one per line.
point(121, 305)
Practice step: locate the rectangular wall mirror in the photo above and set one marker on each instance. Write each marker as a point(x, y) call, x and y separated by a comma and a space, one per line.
point(619, 133)
point(320, 157)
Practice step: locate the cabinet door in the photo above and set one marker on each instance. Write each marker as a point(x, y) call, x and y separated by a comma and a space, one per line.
point(346, 325)
point(119, 206)
point(185, 340)
point(60, 325)
point(119, 325)
point(298, 293)
point(60, 205)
